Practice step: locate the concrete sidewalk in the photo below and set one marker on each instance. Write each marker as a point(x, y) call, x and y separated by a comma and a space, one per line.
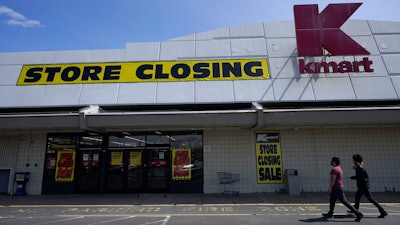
point(176, 199)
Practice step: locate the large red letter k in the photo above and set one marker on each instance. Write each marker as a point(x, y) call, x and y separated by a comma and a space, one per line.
point(316, 31)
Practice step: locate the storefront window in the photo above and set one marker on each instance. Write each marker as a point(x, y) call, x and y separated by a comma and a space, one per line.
point(60, 161)
point(158, 137)
point(192, 144)
point(91, 140)
point(126, 140)
point(124, 162)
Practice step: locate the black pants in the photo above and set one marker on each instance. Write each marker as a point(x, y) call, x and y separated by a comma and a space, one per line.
point(368, 195)
point(338, 194)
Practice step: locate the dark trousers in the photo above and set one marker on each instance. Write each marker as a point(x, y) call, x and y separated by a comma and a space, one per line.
point(338, 194)
point(368, 195)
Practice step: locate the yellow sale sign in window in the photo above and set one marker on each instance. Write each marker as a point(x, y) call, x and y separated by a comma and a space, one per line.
point(268, 157)
point(181, 164)
point(65, 166)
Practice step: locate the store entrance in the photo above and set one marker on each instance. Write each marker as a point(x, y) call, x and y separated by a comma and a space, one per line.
point(89, 171)
point(138, 170)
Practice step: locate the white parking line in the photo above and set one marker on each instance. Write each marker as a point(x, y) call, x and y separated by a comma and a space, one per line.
point(108, 221)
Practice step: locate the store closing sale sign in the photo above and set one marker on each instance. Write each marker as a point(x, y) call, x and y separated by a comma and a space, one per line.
point(269, 157)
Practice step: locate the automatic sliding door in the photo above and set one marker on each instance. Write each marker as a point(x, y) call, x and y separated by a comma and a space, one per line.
point(157, 169)
point(116, 171)
point(135, 171)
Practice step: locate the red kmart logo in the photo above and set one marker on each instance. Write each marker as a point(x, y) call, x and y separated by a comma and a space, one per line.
point(318, 31)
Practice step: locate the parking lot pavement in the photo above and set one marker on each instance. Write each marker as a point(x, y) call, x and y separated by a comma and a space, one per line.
point(174, 199)
point(165, 214)
point(265, 208)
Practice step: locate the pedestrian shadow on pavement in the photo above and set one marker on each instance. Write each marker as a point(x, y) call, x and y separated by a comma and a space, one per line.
point(313, 220)
point(324, 219)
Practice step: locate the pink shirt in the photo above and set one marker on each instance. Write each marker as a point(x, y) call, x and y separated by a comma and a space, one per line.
point(339, 177)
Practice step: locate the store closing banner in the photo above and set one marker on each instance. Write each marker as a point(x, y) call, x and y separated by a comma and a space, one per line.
point(159, 71)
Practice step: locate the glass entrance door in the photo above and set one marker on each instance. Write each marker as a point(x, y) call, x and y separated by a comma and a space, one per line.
point(138, 170)
point(88, 172)
point(157, 169)
point(125, 170)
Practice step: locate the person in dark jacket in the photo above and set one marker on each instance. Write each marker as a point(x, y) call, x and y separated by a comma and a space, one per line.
point(363, 185)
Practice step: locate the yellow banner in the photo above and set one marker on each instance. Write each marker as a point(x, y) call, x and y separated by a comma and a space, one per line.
point(65, 166)
point(181, 164)
point(269, 157)
point(116, 158)
point(125, 72)
point(135, 159)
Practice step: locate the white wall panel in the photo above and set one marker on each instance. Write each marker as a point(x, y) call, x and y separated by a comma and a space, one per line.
point(388, 43)
point(30, 96)
point(384, 27)
point(137, 93)
point(230, 151)
point(253, 90)
point(328, 89)
point(215, 91)
point(282, 47)
point(142, 51)
point(62, 95)
point(170, 92)
point(396, 84)
point(368, 43)
point(373, 88)
point(284, 67)
point(213, 48)
point(295, 89)
point(392, 63)
point(173, 50)
point(103, 94)
point(9, 74)
point(9, 96)
point(249, 47)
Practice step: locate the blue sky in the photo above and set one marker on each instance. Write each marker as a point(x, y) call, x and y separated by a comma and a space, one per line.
point(54, 25)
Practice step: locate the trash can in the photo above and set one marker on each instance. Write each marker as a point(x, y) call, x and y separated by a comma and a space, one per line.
point(21, 178)
point(292, 182)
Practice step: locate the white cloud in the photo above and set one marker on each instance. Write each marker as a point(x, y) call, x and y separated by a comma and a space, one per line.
point(17, 19)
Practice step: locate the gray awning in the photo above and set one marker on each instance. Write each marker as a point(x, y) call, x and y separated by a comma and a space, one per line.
point(94, 118)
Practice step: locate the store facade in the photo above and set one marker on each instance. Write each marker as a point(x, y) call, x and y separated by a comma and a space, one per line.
point(165, 117)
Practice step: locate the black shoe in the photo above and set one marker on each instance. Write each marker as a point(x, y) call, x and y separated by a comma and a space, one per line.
point(359, 217)
point(383, 214)
point(327, 215)
point(351, 211)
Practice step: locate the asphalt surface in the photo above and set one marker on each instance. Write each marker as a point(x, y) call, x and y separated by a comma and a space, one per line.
point(180, 209)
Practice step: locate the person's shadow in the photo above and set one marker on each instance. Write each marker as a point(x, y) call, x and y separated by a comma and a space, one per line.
point(313, 220)
point(324, 219)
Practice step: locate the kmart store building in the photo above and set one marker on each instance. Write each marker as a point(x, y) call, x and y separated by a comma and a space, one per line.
point(254, 100)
